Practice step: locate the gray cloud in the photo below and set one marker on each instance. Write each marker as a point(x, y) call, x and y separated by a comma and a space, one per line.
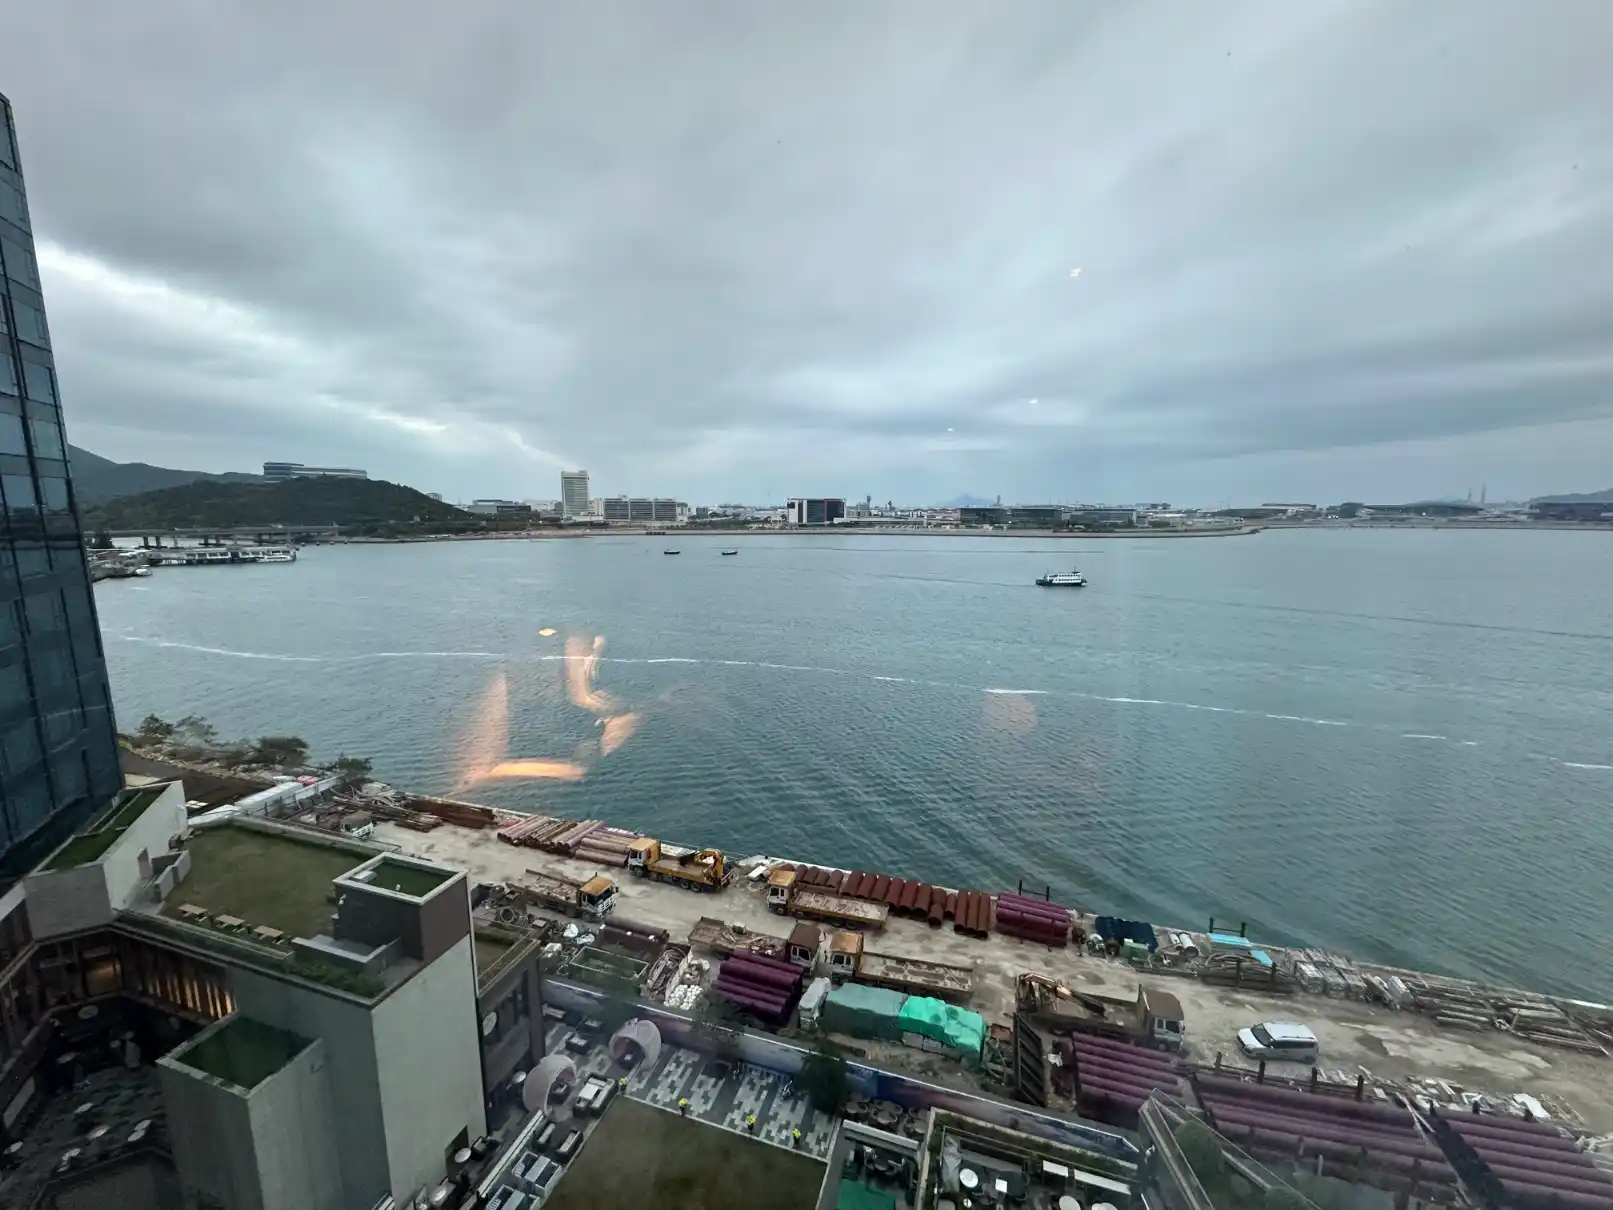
point(722, 250)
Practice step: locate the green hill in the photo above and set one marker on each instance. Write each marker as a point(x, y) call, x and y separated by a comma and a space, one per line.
point(359, 503)
point(97, 480)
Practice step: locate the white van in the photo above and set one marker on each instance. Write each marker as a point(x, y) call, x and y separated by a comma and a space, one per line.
point(1285, 1040)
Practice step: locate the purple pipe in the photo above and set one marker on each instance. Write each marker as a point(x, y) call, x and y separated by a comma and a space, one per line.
point(1140, 1054)
point(758, 973)
point(1523, 1190)
point(1225, 1086)
point(1287, 1143)
point(760, 990)
point(1554, 1180)
point(1339, 1133)
point(779, 964)
point(1528, 1157)
point(1024, 903)
point(1484, 1134)
point(1492, 1124)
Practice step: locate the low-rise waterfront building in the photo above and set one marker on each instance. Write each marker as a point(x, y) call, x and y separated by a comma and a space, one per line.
point(815, 510)
point(279, 472)
point(643, 510)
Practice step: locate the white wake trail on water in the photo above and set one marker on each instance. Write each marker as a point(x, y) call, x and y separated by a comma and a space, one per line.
point(1574, 764)
point(1163, 703)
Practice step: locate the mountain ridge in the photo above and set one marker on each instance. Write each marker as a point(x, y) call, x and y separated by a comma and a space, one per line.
point(97, 480)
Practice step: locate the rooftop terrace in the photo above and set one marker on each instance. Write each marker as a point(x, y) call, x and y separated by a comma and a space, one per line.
point(263, 877)
point(242, 1051)
point(82, 850)
point(406, 879)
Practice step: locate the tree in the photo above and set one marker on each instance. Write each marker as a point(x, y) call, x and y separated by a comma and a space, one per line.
point(196, 731)
point(823, 1077)
point(281, 751)
point(154, 730)
point(353, 770)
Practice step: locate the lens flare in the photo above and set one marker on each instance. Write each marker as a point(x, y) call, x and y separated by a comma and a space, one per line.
point(556, 770)
point(487, 740)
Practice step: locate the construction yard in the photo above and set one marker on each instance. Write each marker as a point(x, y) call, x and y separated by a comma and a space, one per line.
point(1354, 1035)
point(639, 1156)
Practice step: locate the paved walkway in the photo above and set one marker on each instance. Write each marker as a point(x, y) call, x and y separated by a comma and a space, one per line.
point(719, 1093)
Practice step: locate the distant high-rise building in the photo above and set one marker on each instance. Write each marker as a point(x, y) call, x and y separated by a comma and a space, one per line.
point(58, 745)
point(574, 493)
point(276, 472)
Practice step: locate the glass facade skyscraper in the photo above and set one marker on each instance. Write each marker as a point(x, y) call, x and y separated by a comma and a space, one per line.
point(58, 743)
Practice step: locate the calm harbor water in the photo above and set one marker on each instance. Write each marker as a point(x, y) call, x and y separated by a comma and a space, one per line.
point(1392, 744)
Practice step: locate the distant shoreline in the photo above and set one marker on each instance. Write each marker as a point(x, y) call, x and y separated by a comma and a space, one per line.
point(837, 531)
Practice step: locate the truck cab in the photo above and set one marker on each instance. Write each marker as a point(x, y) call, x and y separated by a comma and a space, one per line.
point(643, 853)
point(597, 896)
point(1164, 1026)
point(780, 887)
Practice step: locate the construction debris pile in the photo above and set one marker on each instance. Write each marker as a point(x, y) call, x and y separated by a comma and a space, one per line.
point(1454, 1004)
point(587, 839)
point(377, 802)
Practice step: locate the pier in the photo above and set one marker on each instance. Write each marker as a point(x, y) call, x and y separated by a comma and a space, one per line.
point(197, 556)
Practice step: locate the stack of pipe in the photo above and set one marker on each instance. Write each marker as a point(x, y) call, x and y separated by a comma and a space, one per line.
point(972, 915)
point(1529, 1162)
point(1036, 920)
point(567, 841)
point(767, 987)
point(606, 846)
point(1269, 1120)
point(1114, 1078)
point(518, 831)
point(464, 814)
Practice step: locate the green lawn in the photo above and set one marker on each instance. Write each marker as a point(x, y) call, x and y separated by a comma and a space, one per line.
point(639, 1157)
point(262, 878)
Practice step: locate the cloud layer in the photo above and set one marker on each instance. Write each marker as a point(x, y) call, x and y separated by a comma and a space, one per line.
point(730, 251)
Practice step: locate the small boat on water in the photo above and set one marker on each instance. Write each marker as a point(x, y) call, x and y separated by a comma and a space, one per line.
point(1062, 579)
point(671, 552)
point(730, 552)
point(142, 571)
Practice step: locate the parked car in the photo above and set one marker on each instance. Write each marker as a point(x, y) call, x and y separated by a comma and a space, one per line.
point(1287, 1040)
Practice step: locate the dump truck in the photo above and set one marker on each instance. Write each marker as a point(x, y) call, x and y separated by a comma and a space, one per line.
point(1153, 1019)
point(916, 976)
point(592, 899)
point(726, 939)
point(786, 896)
point(698, 869)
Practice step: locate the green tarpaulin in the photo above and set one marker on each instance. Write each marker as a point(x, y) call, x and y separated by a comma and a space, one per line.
point(864, 1012)
point(939, 1021)
point(854, 1195)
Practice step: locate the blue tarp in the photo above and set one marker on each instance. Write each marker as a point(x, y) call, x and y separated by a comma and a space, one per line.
point(1113, 928)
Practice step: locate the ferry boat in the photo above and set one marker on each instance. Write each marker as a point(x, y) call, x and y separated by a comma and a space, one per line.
point(671, 552)
point(730, 552)
point(1062, 579)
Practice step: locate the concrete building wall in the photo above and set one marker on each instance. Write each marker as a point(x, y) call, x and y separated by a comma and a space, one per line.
point(429, 1068)
point(345, 1027)
point(158, 824)
point(294, 1137)
point(210, 1134)
point(65, 901)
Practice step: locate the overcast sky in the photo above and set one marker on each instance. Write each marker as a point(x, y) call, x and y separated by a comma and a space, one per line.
point(746, 250)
